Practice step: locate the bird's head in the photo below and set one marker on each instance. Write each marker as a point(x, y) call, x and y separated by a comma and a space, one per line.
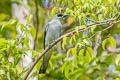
point(60, 16)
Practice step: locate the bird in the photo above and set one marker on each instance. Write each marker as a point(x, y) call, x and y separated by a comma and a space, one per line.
point(51, 33)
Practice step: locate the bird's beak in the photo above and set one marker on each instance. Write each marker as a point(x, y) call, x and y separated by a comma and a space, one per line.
point(65, 15)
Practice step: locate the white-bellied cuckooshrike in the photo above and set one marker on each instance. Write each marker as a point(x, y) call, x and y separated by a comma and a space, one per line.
point(51, 33)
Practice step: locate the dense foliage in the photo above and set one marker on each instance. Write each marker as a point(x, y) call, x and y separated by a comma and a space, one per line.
point(93, 54)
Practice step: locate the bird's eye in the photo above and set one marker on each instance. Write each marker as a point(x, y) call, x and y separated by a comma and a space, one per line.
point(60, 15)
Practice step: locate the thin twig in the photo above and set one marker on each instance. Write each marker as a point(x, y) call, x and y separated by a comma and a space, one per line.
point(105, 28)
point(113, 49)
point(108, 20)
point(101, 31)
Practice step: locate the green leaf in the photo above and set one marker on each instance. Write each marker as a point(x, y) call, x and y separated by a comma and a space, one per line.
point(32, 30)
point(21, 26)
point(117, 59)
point(92, 29)
point(74, 61)
point(63, 66)
point(3, 16)
point(74, 38)
point(5, 25)
point(112, 41)
point(60, 56)
point(73, 51)
point(54, 11)
point(87, 41)
point(29, 18)
point(67, 71)
point(68, 52)
point(90, 50)
point(104, 43)
point(2, 41)
point(25, 41)
point(76, 71)
point(2, 71)
point(77, 29)
point(64, 42)
point(70, 41)
point(81, 52)
point(71, 66)
point(10, 23)
point(50, 62)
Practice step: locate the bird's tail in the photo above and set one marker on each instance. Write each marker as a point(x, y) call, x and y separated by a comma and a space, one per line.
point(45, 62)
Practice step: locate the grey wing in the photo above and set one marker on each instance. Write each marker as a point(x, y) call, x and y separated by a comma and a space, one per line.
point(45, 32)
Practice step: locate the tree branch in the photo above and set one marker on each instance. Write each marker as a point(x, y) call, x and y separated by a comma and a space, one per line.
point(105, 28)
point(113, 49)
point(59, 39)
point(37, 24)
point(109, 20)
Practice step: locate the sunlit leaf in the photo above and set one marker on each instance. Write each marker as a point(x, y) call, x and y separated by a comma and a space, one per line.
point(29, 18)
point(50, 62)
point(74, 38)
point(64, 42)
point(53, 12)
point(103, 44)
point(73, 51)
point(90, 50)
point(77, 29)
point(2, 41)
point(32, 31)
point(3, 16)
point(63, 66)
point(68, 52)
point(112, 41)
point(70, 41)
point(117, 60)
point(67, 71)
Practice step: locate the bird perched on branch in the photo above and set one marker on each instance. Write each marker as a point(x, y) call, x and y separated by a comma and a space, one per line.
point(51, 33)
